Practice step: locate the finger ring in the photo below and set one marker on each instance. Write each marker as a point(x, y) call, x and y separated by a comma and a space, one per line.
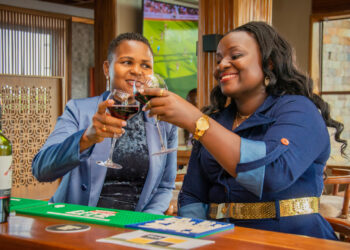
point(104, 129)
point(161, 92)
point(149, 104)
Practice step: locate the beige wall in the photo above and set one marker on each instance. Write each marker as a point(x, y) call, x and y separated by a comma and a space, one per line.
point(129, 16)
point(292, 19)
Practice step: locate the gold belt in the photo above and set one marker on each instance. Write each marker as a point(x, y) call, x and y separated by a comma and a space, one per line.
point(264, 210)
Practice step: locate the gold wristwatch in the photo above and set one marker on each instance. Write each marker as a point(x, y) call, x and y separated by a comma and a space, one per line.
point(202, 124)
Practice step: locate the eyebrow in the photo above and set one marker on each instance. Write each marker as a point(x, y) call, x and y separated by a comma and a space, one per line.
point(127, 57)
point(131, 58)
point(231, 48)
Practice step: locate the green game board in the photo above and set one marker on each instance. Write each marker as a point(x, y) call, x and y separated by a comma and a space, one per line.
point(17, 203)
point(95, 215)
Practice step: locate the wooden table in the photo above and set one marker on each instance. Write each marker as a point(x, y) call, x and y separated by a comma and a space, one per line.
point(28, 232)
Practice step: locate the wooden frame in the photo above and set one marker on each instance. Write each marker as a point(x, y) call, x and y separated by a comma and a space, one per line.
point(315, 67)
point(67, 55)
point(82, 20)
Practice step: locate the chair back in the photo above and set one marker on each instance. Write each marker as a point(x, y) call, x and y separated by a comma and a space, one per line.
point(340, 175)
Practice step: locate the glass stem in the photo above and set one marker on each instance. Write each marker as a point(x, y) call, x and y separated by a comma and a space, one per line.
point(114, 140)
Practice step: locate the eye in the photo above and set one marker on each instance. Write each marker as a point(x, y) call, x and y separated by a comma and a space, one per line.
point(146, 66)
point(126, 62)
point(236, 56)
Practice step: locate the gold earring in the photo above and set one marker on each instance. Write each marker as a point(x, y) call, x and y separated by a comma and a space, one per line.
point(107, 83)
point(266, 81)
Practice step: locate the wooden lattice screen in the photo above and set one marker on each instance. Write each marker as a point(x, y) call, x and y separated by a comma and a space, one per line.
point(31, 106)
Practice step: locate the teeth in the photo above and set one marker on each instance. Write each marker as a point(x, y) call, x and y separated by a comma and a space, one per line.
point(226, 77)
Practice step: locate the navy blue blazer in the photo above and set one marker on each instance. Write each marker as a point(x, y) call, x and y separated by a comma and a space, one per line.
point(83, 179)
point(269, 170)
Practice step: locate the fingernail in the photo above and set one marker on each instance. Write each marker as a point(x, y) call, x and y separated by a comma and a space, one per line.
point(141, 90)
point(144, 108)
point(110, 102)
point(123, 123)
point(123, 131)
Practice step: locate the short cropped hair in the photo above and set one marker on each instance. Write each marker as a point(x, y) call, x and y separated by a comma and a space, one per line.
point(129, 36)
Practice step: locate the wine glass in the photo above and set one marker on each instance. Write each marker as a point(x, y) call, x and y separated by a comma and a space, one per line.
point(124, 106)
point(155, 81)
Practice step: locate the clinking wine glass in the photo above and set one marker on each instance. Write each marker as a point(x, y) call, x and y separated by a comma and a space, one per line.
point(124, 106)
point(155, 81)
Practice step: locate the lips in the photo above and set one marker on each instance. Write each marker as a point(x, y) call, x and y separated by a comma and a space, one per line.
point(131, 82)
point(227, 76)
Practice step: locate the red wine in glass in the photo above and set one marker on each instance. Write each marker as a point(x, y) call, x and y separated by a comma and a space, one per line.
point(155, 81)
point(123, 111)
point(143, 99)
point(123, 108)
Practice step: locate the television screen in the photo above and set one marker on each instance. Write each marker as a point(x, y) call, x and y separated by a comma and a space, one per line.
point(172, 31)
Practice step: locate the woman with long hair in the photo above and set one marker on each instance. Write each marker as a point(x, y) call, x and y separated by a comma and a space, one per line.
point(257, 162)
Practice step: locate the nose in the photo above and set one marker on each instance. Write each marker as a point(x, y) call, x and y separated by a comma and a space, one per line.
point(220, 67)
point(136, 70)
point(224, 64)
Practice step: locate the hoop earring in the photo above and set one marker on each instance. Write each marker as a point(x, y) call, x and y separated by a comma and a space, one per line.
point(266, 81)
point(107, 83)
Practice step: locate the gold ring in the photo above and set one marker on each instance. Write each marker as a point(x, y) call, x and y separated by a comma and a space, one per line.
point(161, 92)
point(104, 129)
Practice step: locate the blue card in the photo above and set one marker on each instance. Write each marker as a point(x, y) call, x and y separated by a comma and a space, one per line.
point(188, 227)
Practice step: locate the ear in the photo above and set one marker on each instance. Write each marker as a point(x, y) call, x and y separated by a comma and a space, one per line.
point(106, 68)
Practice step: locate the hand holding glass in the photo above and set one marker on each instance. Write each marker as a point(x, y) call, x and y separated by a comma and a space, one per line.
point(155, 81)
point(123, 108)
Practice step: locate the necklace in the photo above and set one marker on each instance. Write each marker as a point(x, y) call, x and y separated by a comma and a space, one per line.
point(239, 119)
point(243, 117)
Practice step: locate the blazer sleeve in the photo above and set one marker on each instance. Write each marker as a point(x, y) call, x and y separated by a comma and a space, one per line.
point(163, 193)
point(297, 139)
point(193, 197)
point(61, 151)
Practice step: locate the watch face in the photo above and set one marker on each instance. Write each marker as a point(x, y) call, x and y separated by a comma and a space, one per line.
point(202, 124)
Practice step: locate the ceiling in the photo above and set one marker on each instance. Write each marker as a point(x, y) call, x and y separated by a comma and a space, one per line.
point(89, 4)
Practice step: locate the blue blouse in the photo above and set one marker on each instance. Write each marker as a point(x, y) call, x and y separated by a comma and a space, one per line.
point(268, 170)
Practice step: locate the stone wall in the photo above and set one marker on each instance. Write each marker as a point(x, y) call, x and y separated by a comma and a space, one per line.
point(336, 77)
point(82, 58)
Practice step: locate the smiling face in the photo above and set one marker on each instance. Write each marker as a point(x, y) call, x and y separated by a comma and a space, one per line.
point(239, 69)
point(132, 61)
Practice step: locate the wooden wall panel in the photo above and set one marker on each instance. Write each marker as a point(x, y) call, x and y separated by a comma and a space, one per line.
point(31, 106)
point(219, 17)
point(327, 6)
point(105, 30)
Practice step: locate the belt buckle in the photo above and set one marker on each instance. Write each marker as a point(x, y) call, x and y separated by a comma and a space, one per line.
point(302, 206)
point(223, 211)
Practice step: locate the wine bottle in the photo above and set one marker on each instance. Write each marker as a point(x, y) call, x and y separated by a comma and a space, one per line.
point(5, 173)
